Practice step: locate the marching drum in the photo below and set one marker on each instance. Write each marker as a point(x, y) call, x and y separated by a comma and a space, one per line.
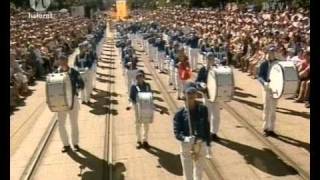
point(220, 84)
point(59, 92)
point(145, 107)
point(284, 79)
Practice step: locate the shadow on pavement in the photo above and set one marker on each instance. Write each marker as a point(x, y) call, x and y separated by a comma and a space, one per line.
point(107, 62)
point(280, 110)
point(158, 98)
point(264, 160)
point(156, 92)
point(104, 80)
point(105, 67)
point(161, 109)
point(21, 102)
point(100, 107)
point(244, 95)
point(96, 168)
point(105, 75)
point(168, 161)
point(293, 142)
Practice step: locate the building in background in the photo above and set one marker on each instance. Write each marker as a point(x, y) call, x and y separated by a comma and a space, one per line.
point(122, 9)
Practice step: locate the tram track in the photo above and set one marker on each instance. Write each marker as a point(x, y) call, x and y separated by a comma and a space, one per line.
point(304, 175)
point(108, 149)
point(214, 173)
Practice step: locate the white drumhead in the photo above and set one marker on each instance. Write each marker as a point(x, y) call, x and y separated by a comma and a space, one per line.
point(276, 76)
point(145, 107)
point(220, 83)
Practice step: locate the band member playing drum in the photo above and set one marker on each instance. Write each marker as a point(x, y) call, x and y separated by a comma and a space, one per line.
point(140, 86)
point(77, 83)
point(213, 107)
point(191, 128)
point(269, 103)
point(83, 63)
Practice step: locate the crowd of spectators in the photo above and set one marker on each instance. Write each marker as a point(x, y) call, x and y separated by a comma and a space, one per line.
point(246, 35)
point(36, 43)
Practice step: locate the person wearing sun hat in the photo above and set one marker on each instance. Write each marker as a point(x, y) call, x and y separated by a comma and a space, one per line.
point(191, 127)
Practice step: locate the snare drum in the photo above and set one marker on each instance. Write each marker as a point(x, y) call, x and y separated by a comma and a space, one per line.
point(145, 107)
point(59, 92)
point(284, 79)
point(220, 84)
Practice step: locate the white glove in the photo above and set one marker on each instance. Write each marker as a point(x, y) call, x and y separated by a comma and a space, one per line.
point(86, 68)
point(208, 152)
point(189, 139)
point(203, 85)
point(266, 85)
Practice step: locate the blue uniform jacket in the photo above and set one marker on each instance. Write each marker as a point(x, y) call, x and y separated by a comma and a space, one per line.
point(161, 45)
point(193, 42)
point(202, 128)
point(202, 75)
point(145, 87)
point(87, 62)
point(263, 75)
point(75, 78)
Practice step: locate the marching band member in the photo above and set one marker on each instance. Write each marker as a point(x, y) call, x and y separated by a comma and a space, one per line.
point(213, 107)
point(83, 62)
point(191, 128)
point(184, 72)
point(174, 76)
point(269, 103)
point(160, 43)
point(77, 83)
point(140, 86)
point(130, 62)
point(193, 51)
point(93, 56)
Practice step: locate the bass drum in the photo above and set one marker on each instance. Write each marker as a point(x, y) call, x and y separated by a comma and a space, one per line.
point(145, 107)
point(59, 92)
point(220, 84)
point(284, 79)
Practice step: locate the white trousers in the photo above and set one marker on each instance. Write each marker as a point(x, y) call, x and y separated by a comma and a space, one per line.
point(73, 116)
point(94, 76)
point(86, 91)
point(120, 53)
point(192, 170)
point(181, 86)
point(269, 109)
point(160, 59)
point(173, 74)
point(193, 56)
point(145, 46)
point(214, 115)
point(142, 136)
point(155, 56)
